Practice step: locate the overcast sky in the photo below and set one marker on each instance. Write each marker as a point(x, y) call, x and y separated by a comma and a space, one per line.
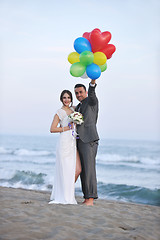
point(36, 39)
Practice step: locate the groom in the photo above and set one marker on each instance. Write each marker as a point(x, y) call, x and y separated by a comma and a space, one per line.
point(87, 143)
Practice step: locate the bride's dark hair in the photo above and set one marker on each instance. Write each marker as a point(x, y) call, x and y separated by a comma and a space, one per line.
point(69, 93)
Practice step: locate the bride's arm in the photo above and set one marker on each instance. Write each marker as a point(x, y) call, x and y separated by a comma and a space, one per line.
point(54, 126)
point(74, 107)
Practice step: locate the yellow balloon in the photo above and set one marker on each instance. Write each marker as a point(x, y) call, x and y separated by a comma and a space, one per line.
point(73, 57)
point(99, 58)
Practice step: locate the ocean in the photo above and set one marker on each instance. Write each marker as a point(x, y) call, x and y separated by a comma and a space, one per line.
point(127, 170)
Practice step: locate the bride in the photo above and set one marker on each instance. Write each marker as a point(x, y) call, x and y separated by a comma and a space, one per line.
point(68, 166)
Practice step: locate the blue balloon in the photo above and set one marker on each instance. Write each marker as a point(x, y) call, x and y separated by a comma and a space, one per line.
point(81, 44)
point(93, 71)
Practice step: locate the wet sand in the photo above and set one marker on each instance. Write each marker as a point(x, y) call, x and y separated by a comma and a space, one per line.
point(26, 215)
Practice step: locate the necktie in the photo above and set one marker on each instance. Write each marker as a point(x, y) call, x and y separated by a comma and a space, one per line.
point(79, 107)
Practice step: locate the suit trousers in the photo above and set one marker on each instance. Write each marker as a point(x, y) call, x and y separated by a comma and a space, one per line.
point(87, 152)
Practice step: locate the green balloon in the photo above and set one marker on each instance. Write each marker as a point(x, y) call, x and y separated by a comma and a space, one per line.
point(77, 69)
point(103, 67)
point(86, 58)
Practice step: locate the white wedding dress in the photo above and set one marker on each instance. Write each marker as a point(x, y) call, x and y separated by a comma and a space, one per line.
point(64, 181)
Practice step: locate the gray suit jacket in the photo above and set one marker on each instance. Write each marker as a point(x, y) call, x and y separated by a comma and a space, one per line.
point(89, 109)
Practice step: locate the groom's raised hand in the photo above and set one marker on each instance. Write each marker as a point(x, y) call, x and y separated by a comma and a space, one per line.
point(93, 81)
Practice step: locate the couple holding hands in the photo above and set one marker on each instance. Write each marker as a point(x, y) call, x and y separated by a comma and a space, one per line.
point(76, 156)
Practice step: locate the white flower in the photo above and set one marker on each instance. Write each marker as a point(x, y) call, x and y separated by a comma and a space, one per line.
point(76, 117)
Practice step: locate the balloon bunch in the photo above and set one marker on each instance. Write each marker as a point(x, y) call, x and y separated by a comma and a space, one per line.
point(92, 52)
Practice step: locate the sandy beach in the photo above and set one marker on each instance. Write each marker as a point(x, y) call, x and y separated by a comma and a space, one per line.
point(26, 214)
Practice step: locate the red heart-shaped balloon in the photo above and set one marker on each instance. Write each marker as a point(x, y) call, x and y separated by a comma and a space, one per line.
point(99, 42)
point(86, 35)
point(108, 50)
point(99, 39)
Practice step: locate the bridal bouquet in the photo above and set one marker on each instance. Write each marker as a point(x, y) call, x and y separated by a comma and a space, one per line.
point(76, 118)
